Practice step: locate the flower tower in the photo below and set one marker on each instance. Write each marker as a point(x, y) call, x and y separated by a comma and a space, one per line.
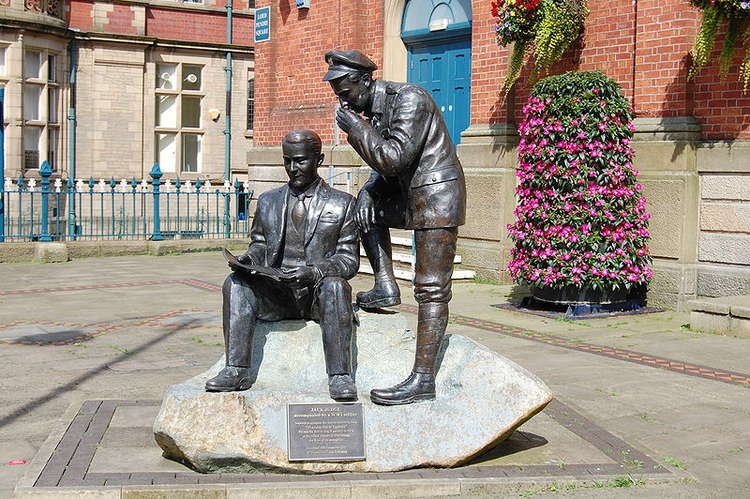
point(581, 230)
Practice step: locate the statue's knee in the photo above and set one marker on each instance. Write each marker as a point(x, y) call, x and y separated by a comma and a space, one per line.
point(430, 294)
point(337, 285)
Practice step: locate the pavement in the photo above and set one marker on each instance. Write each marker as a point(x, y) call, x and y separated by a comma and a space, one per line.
point(122, 329)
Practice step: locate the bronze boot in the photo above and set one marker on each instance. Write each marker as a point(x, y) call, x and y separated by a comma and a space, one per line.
point(420, 385)
point(385, 293)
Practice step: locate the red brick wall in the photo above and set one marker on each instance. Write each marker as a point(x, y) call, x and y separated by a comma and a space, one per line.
point(79, 14)
point(665, 36)
point(197, 26)
point(643, 45)
point(288, 89)
point(121, 20)
point(172, 24)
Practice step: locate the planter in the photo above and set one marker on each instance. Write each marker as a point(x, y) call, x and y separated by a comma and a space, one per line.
point(572, 295)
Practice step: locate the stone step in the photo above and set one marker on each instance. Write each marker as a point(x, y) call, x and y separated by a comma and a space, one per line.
point(401, 241)
point(407, 274)
point(406, 257)
point(726, 314)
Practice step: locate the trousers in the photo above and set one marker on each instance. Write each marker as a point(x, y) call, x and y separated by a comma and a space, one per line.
point(249, 298)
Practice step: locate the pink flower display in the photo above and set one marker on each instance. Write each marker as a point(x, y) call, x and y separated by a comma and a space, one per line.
point(580, 219)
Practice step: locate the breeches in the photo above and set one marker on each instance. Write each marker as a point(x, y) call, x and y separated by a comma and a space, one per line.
point(435, 251)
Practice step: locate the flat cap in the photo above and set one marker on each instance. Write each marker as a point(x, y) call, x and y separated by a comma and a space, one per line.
point(343, 62)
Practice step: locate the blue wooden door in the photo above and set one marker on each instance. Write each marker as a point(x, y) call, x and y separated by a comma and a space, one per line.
point(444, 69)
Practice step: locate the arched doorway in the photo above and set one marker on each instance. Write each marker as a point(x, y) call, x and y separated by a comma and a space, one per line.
point(437, 35)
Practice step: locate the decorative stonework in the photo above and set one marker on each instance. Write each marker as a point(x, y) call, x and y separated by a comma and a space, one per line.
point(50, 7)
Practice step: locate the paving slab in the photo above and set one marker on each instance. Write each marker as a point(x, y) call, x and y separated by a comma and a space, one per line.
point(153, 327)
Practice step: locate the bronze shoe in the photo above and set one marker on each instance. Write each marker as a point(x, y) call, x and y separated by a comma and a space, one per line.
point(342, 388)
point(384, 294)
point(418, 386)
point(230, 379)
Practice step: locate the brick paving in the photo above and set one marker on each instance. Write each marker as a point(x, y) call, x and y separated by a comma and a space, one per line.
point(149, 322)
point(679, 366)
point(69, 463)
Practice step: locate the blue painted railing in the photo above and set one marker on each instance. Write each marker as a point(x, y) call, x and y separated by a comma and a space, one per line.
point(156, 209)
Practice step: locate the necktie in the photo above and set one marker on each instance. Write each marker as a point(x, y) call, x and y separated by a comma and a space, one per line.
point(298, 213)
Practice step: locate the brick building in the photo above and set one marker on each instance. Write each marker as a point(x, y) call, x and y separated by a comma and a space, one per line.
point(691, 141)
point(146, 80)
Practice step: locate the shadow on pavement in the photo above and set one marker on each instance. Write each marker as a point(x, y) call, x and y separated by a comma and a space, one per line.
point(71, 385)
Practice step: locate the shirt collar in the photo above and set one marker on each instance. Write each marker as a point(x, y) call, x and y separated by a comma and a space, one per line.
point(378, 97)
point(309, 192)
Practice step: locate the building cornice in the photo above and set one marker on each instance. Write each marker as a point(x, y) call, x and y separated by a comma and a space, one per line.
point(161, 42)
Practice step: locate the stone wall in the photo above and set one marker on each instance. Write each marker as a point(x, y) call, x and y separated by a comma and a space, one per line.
point(118, 45)
point(724, 230)
point(701, 239)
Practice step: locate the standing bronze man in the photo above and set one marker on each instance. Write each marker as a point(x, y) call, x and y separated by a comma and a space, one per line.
point(417, 183)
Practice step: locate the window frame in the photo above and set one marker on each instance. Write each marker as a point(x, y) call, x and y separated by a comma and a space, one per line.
point(46, 82)
point(250, 103)
point(179, 130)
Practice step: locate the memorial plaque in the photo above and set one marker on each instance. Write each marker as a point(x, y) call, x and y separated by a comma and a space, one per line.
point(326, 432)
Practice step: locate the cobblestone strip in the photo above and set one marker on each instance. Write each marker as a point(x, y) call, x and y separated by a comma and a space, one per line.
point(628, 458)
point(705, 372)
point(63, 453)
point(33, 291)
point(643, 359)
point(86, 434)
point(195, 283)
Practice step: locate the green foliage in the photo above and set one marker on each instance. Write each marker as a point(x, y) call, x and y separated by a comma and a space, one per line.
point(580, 217)
point(745, 67)
point(737, 14)
point(545, 28)
point(559, 26)
point(515, 64)
point(673, 461)
point(730, 42)
point(712, 16)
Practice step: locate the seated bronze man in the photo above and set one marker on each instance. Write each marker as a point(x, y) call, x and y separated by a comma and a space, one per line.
point(307, 230)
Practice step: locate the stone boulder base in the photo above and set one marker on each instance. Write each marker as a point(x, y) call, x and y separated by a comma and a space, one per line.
point(481, 398)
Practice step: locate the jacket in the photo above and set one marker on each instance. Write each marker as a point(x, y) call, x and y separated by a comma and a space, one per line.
point(408, 145)
point(331, 236)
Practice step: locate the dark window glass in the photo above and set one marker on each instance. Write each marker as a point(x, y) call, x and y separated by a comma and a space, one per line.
point(250, 103)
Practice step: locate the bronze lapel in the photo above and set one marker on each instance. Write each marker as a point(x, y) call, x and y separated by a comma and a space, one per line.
point(317, 207)
point(278, 223)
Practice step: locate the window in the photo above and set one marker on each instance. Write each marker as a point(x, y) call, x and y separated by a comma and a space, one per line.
point(250, 100)
point(51, 68)
point(2, 61)
point(179, 106)
point(32, 96)
point(41, 100)
point(32, 64)
point(52, 147)
point(31, 136)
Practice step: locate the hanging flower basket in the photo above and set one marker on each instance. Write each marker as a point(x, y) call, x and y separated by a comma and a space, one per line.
point(736, 13)
point(545, 28)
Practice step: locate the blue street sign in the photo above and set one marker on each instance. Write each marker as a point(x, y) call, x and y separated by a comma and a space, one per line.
point(262, 24)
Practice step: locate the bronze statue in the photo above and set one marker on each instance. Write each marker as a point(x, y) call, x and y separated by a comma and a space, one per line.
point(305, 237)
point(417, 183)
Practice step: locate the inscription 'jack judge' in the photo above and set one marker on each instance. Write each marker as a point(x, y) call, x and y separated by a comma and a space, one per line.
point(325, 432)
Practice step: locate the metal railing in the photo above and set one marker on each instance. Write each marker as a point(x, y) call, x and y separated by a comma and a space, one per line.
point(69, 210)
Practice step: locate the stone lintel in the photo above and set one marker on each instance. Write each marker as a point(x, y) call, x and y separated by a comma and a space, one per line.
point(726, 156)
point(670, 129)
point(496, 133)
